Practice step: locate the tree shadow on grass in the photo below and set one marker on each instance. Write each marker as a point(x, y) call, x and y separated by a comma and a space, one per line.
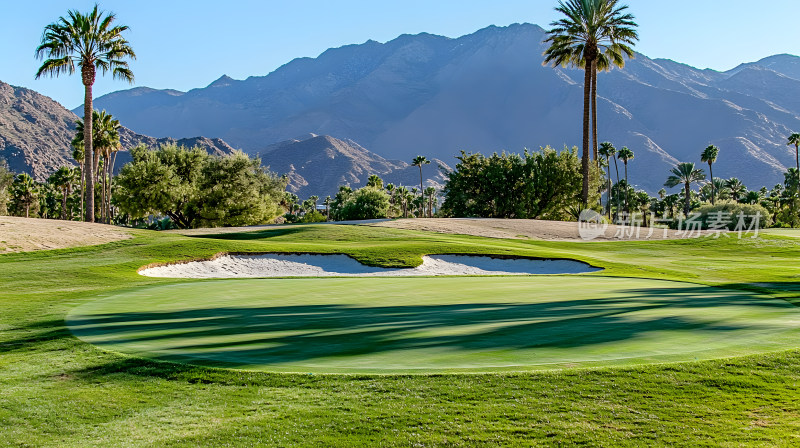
point(242, 336)
point(255, 235)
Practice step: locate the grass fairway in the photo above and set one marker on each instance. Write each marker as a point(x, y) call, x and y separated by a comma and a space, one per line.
point(58, 390)
point(396, 325)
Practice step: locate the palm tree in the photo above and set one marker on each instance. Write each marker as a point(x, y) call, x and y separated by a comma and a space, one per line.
point(375, 181)
point(626, 154)
point(327, 203)
point(794, 140)
point(91, 42)
point(686, 174)
point(105, 140)
point(608, 150)
point(736, 188)
point(662, 193)
point(709, 156)
point(24, 189)
point(402, 193)
point(62, 179)
point(419, 161)
point(593, 35)
point(430, 191)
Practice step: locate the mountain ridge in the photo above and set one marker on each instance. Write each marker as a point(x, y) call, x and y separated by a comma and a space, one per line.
point(36, 134)
point(488, 91)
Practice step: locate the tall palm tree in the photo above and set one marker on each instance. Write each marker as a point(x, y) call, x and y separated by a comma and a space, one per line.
point(91, 42)
point(686, 174)
point(419, 161)
point(593, 35)
point(794, 140)
point(626, 154)
point(709, 156)
point(608, 150)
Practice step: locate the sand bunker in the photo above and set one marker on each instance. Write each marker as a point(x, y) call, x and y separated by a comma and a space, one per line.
point(308, 265)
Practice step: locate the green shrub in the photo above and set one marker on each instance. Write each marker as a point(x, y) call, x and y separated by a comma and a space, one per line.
point(730, 211)
point(314, 216)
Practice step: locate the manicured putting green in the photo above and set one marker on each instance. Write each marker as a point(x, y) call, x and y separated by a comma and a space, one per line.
point(396, 325)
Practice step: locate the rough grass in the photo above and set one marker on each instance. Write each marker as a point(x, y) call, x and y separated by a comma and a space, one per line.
point(58, 391)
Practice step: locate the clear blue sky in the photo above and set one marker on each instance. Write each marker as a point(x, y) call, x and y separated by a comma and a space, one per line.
point(184, 44)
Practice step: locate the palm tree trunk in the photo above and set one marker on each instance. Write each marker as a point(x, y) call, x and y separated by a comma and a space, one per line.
point(616, 169)
point(64, 205)
point(713, 187)
point(421, 190)
point(688, 201)
point(797, 161)
point(627, 189)
point(82, 191)
point(608, 196)
point(587, 90)
point(594, 110)
point(88, 80)
point(111, 181)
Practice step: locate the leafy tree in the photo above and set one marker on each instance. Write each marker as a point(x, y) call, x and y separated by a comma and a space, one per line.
point(593, 35)
point(92, 43)
point(24, 193)
point(709, 156)
point(196, 189)
point(365, 203)
point(539, 185)
point(625, 155)
point(164, 181)
point(794, 140)
point(686, 174)
point(236, 190)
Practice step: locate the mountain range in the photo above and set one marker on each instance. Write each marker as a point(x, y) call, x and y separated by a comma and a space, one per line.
point(319, 164)
point(35, 134)
point(488, 91)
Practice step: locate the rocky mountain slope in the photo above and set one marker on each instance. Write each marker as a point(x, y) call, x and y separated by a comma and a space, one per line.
point(35, 134)
point(488, 91)
point(318, 165)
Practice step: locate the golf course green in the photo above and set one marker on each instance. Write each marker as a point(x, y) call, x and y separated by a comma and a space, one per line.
point(670, 336)
point(396, 325)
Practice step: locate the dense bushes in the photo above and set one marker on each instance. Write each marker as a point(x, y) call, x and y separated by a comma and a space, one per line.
point(728, 213)
point(541, 185)
point(195, 189)
point(365, 203)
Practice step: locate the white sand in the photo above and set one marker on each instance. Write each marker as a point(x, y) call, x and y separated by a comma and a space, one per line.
point(306, 265)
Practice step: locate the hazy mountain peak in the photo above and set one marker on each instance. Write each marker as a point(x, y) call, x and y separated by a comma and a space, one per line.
point(223, 81)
